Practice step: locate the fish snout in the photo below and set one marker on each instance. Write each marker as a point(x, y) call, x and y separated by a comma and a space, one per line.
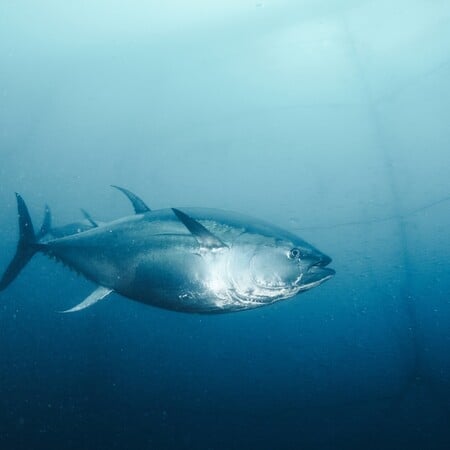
point(317, 272)
point(324, 260)
point(319, 260)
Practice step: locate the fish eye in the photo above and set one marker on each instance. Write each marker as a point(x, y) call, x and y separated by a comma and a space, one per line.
point(294, 253)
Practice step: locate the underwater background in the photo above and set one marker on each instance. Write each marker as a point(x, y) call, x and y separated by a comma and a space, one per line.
point(328, 118)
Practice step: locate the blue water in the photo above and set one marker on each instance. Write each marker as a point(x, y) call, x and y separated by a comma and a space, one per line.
point(327, 118)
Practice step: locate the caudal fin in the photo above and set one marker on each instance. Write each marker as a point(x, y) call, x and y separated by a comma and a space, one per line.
point(26, 247)
point(46, 224)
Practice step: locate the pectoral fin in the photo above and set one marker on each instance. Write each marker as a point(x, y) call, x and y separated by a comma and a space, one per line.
point(203, 236)
point(99, 294)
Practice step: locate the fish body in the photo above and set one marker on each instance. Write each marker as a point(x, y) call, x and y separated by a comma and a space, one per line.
point(189, 259)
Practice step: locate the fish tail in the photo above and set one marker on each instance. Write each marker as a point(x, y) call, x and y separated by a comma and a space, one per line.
point(28, 242)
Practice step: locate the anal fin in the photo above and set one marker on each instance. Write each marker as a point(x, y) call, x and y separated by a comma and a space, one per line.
point(99, 294)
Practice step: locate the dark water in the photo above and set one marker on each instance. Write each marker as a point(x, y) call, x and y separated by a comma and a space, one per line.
point(326, 118)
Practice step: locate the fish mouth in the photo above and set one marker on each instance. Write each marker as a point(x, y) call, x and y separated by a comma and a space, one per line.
point(317, 273)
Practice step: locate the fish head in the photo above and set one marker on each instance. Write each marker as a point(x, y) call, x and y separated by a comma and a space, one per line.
point(272, 269)
point(285, 265)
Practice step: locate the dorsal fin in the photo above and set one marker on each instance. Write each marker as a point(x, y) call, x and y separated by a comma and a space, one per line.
point(138, 204)
point(203, 236)
point(88, 217)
